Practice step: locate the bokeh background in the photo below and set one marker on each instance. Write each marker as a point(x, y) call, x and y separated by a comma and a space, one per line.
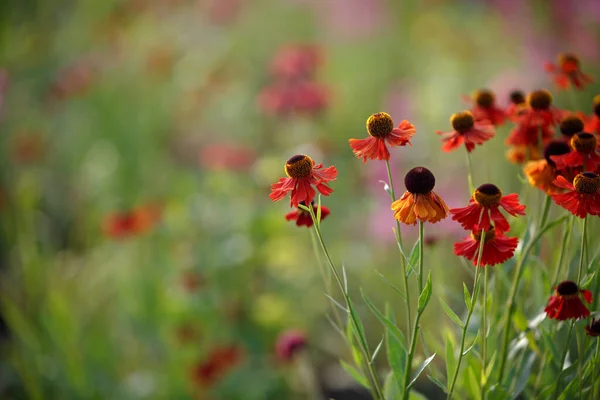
point(139, 140)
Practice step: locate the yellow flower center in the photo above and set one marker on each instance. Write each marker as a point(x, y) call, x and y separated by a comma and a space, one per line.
point(380, 125)
point(487, 195)
point(571, 125)
point(587, 183)
point(490, 234)
point(484, 98)
point(299, 166)
point(462, 122)
point(540, 99)
point(584, 142)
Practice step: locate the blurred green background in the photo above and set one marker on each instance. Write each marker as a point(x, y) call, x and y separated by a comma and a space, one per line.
point(112, 107)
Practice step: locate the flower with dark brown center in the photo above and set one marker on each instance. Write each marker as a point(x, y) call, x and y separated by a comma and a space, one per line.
point(487, 195)
point(584, 153)
point(490, 234)
point(568, 62)
point(517, 97)
point(555, 148)
point(584, 142)
point(462, 122)
point(419, 180)
point(299, 166)
point(568, 71)
point(540, 99)
point(380, 125)
point(593, 328)
point(497, 248)
point(566, 302)
point(484, 98)
point(587, 183)
point(582, 196)
point(571, 125)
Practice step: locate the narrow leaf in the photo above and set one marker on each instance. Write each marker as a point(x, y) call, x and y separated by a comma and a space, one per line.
point(467, 296)
point(414, 254)
point(345, 279)
point(451, 314)
point(319, 209)
point(334, 301)
point(377, 349)
point(425, 295)
point(389, 325)
point(450, 358)
point(438, 383)
point(472, 345)
point(420, 369)
point(390, 284)
point(357, 376)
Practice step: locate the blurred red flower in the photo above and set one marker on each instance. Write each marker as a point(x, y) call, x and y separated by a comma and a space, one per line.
point(296, 61)
point(226, 156)
point(568, 72)
point(219, 361)
point(130, 223)
point(566, 302)
point(302, 97)
point(584, 153)
point(536, 121)
point(289, 343)
point(485, 107)
point(303, 218)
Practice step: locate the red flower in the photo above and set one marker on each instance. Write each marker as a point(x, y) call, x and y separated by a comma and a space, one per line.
point(497, 248)
point(566, 303)
point(467, 131)
point(303, 217)
point(289, 343)
point(535, 120)
point(583, 154)
point(419, 201)
point(583, 196)
point(593, 328)
point(592, 123)
point(380, 127)
point(484, 206)
point(485, 108)
point(542, 173)
point(296, 61)
point(216, 365)
point(516, 106)
point(568, 72)
point(130, 223)
point(302, 175)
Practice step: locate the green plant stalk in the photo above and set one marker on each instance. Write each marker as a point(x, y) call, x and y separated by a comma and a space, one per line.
point(376, 390)
point(484, 333)
point(469, 314)
point(470, 175)
point(400, 245)
point(595, 364)
point(579, 363)
point(415, 332)
point(511, 302)
point(545, 212)
point(563, 358)
point(582, 250)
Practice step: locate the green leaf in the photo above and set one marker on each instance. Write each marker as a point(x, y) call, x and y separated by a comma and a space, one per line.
point(389, 325)
point(302, 206)
point(416, 396)
point(519, 321)
point(549, 344)
point(467, 296)
point(319, 209)
point(345, 279)
point(588, 280)
point(390, 388)
point(488, 369)
point(397, 354)
point(473, 384)
point(376, 351)
point(425, 295)
point(335, 302)
point(438, 383)
point(420, 369)
point(414, 254)
point(472, 345)
point(524, 376)
point(451, 313)
point(356, 375)
point(450, 358)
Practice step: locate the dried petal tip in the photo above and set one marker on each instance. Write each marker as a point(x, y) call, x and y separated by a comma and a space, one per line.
point(419, 180)
point(584, 142)
point(299, 166)
point(587, 183)
point(555, 148)
point(567, 288)
point(487, 195)
point(462, 122)
point(484, 98)
point(380, 125)
point(596, 103)
point(540, 99)
point(571, 125)
point(517, 97)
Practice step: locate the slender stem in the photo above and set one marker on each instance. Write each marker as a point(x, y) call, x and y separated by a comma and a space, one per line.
point(579, 363)
point(400, 245)
point(595, 364)
point(545, 212)
point(563, 358)
point(469, 314)
point(484, 335)
point(470, 176)
point(582, 250)
point(377, 390)
point(415, 332)
point(563, 247)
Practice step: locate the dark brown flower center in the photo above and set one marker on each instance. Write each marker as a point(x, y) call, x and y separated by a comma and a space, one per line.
point(540, 99)
point(487, 195)
point(571, 125)
point(299, 166)
point(593, 328)
point(567, 288)
point(587, 183)
point(596, 104)
point(490, 234)
point(584, 142)
point(517, 97)
point(380, 125)
point(462, 122)
point(568, 61)
point(555, 148)
point(419, 180)
point(484, 98)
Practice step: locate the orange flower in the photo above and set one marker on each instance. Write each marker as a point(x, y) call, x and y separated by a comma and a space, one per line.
point(419, 201)
point(542, 173)
point(485, 108)
point(467, 131)
point(303, 217)
point(582, 197)
point(380, 127)
point(568, 72)
point(584, 153)
point(129, 223)
point(497, 248)
point(303, 174)
point(522, 153)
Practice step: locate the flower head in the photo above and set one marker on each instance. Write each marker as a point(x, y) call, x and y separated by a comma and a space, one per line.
point(296, 61)
point(303, 174)
point(542, 173)
point(593, 328)
point(535, 122)
point(219, 361)
point(584, 153)
point(380, 127)
point(592, 123)
point(302, 217)
point(129, 223)
point(283, 98)
point(466, 130)
point(484, 206)
point(289, 343)
point(485, 108)
point(419, 201)
point(570, 125)
point(568, 72)
point(566, 302)
point(517, 104)
point(582, 197)
point(497, 248)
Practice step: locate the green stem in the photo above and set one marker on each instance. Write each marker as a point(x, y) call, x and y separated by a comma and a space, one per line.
point(563, 247)
point(484, 335)
point(469, 314)
point(579, 363)
point(562, 360)
point(470, 176)
point(545, 212)
point(400, 246)
point(595, 364)
point(415, 332)
point(582, 250)
point(376, 389)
